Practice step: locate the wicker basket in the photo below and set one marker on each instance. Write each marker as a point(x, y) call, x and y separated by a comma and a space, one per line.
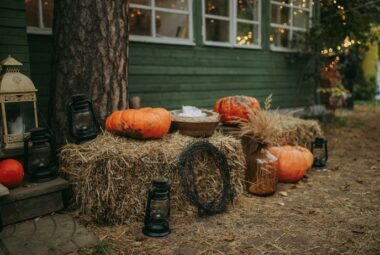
point(195, 126)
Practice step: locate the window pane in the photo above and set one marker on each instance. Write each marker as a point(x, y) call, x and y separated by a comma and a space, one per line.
point(173, 4)
point(142, 2)
point(48, 7)
point(298, 39)
point(300, 18)
point(31, 13)
point(217, 7)
point(217, 30)
point(172, 25)
point(301, 3)
point(140, 21)
point(248, 9)
point(280, 14)
point(282, 1)
point(279, 37)
point(247, 34)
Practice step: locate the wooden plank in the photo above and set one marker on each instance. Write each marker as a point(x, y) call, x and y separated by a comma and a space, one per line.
point(21, 210)
point(13, 4)
point(29, 190)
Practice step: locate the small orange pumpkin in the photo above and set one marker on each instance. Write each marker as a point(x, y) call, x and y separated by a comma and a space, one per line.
point(236, 108)
point(293, 162)
point(141, 123)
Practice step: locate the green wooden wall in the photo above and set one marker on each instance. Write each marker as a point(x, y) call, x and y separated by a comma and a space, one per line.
point(13, 38)
point(171, 76)
point(40, 52)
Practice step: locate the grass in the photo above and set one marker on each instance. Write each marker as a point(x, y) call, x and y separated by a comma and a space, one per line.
point(103, 248)
point(344, 122)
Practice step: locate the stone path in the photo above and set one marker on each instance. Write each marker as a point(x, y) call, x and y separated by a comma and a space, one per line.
point(51, 235)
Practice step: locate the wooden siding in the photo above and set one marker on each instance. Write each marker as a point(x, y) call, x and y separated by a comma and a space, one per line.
point(13, 39)
point(171, 76)
point(41, 50)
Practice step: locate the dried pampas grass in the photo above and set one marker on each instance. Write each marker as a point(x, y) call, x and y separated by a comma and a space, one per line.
point(273, 128)
point(111, 175)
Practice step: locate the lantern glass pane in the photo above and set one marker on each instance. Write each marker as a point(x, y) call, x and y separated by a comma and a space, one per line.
point(40, 156)
point(319, 153)
point(20, 117)
point(82, 122)
point(159, 209)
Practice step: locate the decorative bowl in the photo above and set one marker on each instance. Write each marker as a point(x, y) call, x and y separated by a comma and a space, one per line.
point(195, 126)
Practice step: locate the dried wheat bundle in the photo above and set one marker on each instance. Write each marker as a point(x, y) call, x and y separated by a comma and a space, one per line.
point(273, 128)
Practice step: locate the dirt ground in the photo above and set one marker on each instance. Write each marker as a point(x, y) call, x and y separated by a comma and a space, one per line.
point(334, 211)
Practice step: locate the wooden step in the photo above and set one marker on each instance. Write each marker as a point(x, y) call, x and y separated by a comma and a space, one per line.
point(32, 200)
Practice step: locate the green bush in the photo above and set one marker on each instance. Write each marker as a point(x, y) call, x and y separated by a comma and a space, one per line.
point(365, 90)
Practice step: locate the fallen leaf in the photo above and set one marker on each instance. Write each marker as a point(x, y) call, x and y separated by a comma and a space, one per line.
point(283, 193)
point(373, 167)
point(281, 203)
point(229, 238)
point(360, 181)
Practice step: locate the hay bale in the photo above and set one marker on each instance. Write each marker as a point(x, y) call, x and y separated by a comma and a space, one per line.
point(273, 128)
point(111, 175)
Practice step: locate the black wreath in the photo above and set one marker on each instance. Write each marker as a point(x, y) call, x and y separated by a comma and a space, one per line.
point(188, 177)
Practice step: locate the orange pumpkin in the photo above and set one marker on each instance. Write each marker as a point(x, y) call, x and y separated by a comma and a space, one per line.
point(293, 162)
point(139, 123)
point(236, 108)
point(11, 173)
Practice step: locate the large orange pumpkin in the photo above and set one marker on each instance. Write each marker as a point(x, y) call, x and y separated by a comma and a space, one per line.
point(140, 123)
point(236, 108)
point(293, 162)
point(11, 173)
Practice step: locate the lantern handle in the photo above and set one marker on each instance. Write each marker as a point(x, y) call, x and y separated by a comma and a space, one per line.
point(326, 152)
point(147, 208)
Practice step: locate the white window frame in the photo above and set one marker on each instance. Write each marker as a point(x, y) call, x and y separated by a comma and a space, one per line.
point(164, 40)
point(234, 20)
point(41, 29)
point(290, 27)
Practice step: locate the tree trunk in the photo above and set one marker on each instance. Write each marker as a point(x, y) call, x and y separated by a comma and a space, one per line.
point(90, 57)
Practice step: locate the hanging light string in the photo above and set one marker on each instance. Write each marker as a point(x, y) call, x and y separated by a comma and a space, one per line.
point(353, 8)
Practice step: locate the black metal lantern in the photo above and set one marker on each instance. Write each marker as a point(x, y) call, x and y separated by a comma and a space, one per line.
point(157, 211)
point(40, 160)
point(320, 152)
point(83, 124)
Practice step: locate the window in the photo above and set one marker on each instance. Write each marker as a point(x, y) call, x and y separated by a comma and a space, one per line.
point(233, 23)
point(39, 16)
point(164, 21)
point(290, 19)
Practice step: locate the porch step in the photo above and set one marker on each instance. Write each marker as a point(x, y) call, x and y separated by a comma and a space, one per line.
point(32, 200)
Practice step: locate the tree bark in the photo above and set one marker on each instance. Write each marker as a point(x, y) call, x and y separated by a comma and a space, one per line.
point(90, 57)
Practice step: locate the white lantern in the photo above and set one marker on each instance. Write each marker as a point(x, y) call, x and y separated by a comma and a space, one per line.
point(18, 104)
